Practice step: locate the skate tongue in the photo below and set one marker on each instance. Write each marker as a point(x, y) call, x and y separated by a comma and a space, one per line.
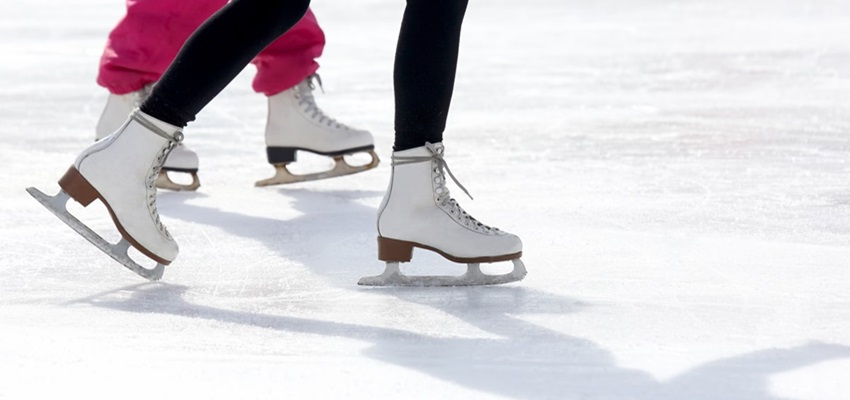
point(436, 155)
point(308, 102)
point(318, 79)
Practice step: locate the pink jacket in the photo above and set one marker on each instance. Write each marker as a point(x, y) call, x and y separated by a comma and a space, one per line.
point(148, 38)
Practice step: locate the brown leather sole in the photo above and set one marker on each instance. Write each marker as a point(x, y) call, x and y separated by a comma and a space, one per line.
point(84, 193)
point(392, 250)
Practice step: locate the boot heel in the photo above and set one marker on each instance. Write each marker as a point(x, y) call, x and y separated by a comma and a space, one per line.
point(392, 250)
point(78, 187)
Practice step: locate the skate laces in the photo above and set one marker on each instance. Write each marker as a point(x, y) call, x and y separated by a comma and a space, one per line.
point(443, 198)
point(304, 95)
point(162, 155)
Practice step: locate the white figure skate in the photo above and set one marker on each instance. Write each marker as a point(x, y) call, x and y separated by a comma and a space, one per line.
point(296, 123)
point(182, 159)
point(120, 171)
point(418, 212)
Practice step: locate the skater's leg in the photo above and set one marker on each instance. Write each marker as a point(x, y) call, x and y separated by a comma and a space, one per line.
point(137, 53)
point(216, 53)
point(145, 41)
point(286, 74)
point(291, 58)
point(418, 210)
point(120, 169)
point(425, 66)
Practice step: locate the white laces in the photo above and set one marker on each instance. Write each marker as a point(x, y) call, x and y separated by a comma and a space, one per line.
point(173, 141)
point(443, 196)
point(304, 95)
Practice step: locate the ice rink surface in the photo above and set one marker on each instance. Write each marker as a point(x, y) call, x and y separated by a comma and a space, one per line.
point(678, 171)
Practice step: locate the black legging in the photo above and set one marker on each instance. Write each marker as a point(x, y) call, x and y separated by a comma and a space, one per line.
point(425, 64)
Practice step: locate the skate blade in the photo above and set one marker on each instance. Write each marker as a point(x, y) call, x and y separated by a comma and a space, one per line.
point(341, 168)
point(163, 181)
point(393, 276)
point(119, 252)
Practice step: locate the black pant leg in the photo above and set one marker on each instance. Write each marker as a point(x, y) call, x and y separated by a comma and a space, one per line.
point(425, 67)
point(218, 50)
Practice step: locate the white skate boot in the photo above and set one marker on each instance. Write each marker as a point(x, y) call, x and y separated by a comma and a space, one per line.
point(182, 159)
point(296, 123)
point(418, 211)
point(120, 171)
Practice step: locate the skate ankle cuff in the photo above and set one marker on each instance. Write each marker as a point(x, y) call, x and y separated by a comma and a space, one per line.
point(158, 127)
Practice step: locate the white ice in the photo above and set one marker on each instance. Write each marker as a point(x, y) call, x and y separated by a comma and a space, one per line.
point(678, 171)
